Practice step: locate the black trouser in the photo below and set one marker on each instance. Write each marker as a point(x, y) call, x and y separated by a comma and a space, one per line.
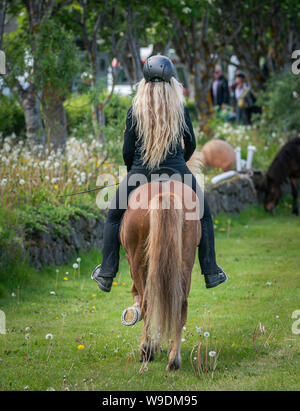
point(111, 243)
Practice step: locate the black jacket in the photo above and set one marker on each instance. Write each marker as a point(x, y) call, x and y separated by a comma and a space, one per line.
point(132, 146)
point(222, 92)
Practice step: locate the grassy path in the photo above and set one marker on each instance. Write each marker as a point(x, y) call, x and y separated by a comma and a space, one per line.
point(261, 255)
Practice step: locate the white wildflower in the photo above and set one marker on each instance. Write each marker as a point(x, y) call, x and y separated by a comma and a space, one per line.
point(212, 354)
point(49, 337)
point(186, 10)
point(6, 147)
point(206, 334)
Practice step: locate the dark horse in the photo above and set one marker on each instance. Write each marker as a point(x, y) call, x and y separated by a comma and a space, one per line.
point(285, 166)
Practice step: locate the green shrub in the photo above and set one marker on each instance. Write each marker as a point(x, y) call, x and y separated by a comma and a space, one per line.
point(191, 106)
point(78, 109)
point(79, 113)
point(11, 116)
point(281, 103)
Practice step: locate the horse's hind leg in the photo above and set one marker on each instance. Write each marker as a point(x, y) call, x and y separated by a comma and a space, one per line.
point(294, 186)
point(132, 314)
point(135, 295)
point(175, 355)
point(147, 346)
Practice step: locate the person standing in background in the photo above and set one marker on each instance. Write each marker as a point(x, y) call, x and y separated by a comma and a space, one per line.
point(244, 99)
point(219, 88)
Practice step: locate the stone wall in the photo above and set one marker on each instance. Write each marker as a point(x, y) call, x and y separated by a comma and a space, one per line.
point(231, 195)
point(44, 248)
point(48, 248)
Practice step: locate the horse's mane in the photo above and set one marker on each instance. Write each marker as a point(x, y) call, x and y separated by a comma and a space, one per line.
point(278, 170)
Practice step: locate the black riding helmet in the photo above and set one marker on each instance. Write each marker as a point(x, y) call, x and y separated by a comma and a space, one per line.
point(158, 68)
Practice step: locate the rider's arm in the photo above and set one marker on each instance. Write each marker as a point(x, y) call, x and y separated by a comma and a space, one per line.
point(129, 141)
point(188, 137)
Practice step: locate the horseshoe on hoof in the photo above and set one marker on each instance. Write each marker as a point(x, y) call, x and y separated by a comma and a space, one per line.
point(131, 315)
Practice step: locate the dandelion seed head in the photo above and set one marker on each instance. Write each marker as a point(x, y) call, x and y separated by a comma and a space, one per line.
point(49, 337)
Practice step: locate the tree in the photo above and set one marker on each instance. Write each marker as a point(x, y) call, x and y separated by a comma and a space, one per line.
point(263, 35)
point(197, 44)
point(56, 64)
point(18, 67)
point(94, 19)
point(46, 54)
point(3, 10)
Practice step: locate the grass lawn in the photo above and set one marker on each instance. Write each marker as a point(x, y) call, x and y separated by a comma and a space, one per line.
point(261, 255)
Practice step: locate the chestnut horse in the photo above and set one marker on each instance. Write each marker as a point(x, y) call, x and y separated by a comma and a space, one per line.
point(160, 233)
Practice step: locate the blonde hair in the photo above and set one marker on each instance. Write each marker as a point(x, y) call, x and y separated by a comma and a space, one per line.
point(158, 115)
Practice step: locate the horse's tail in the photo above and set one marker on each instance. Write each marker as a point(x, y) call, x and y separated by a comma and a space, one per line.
point(164, 288)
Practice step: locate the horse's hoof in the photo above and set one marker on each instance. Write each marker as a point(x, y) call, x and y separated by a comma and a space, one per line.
point(173, 365)
point(131, 315)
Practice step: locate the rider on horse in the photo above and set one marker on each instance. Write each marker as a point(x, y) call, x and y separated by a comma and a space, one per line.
point(155, 125)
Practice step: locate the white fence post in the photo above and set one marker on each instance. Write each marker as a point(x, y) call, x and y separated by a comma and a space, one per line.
point(2, 322)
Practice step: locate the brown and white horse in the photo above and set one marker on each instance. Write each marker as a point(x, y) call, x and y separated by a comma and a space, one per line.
point(160, 233)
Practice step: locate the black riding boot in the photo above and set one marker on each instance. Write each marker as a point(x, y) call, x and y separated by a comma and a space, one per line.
point(213, 274)
point(105, 272)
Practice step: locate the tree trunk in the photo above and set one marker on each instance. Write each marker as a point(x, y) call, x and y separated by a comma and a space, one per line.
point(31, 106)
point(3, 9)
point(55, 120)
point(133, 42)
